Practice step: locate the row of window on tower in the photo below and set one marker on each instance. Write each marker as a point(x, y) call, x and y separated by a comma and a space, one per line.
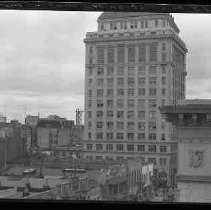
point(129, 71)
point(141, 104)
point(129, 92)
point(130, 136)
point(134, 24)
point(133, 56)
point(130, 147)
point(130, 81)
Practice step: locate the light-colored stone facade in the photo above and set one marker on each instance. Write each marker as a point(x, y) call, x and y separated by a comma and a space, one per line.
point(130, 71)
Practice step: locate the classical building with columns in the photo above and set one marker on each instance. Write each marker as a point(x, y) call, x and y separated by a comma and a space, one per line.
point(192, 119)
point(135, 62)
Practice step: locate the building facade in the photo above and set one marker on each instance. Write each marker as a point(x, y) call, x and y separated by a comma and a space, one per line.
point(192, 120)
point(135, 62)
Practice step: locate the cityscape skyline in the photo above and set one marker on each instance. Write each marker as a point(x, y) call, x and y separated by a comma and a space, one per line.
point(31, 45)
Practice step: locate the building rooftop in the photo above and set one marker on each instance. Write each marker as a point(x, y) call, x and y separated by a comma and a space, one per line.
point(195, 102)
point(112, 15)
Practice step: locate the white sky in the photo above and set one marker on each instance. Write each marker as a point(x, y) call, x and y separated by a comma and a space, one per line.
point(42, 60)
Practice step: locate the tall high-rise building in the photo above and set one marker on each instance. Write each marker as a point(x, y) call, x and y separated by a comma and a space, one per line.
point(135, 62)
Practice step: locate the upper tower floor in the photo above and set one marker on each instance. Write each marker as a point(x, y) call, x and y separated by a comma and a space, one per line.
point(135, 21)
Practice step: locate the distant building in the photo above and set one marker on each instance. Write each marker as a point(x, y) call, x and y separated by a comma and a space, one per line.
point(12, 143)
point(54, 131)
point(192, 119)
point(3, 119)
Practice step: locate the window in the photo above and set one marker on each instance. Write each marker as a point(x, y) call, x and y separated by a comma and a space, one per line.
point(156, 23)
point(163, 149)
point(131, 81)
point(110, 71)
point(99, 124)
point(163, 102)
point(141, 148)
point(125, 25)
point(130, 147)
point(141, 70)
point(120, 103)
point(130, 114)
point(99, 92)
point(152, 148)
point(90, 60)
point(89, 114)
point(120, 71)
point(120, 125)
point(89, 124)
point(152, 136)
point(163, 126)
point(152, 80)
point(109, 136)
point(142, 24)
point(163, 161)
point(120, 81)
point(141, 126)
point(131, 53)
point(110, 103)
point(141, 115)
point(153, 51)
point(141, 136)
point(90, 70)
point(99, 103)
point(100, 54)
point(131, 71)
point(119, 147)
point(163, 56)
point(90, 93)
point(152, 114)
point(99, 135)
point(146, 24)
point(121, 25)
point(163, 136)
point(90, 82)
point(99, 147)
point(152, 160)
point(130, 125)
point(98, 157)
point(100, 71)
point(152, 125)
point(120, 92)
point(163, 80)
point(89, 147)
point(110, 114)
point(111, 26)
point(89, 135)
point(130, 136)
point(109, 146)
point(141, 91)
point(110, 92)
point(163, 91)
point(110, 125)
point(121, 53)
point(120, 114)
point(120, 136)
point(152, 91)
point(152, 70)
point(163, 46)
point(164, 23)
point(130, 103)
point(130, 92)
point(141, 103)
point(141, 81)
point(142, 52)
point(110, 54)
point(110, 82)
point(152, 103)
point(163, 69)
point(89, 103)
point(109, 158)
point(99, 114)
